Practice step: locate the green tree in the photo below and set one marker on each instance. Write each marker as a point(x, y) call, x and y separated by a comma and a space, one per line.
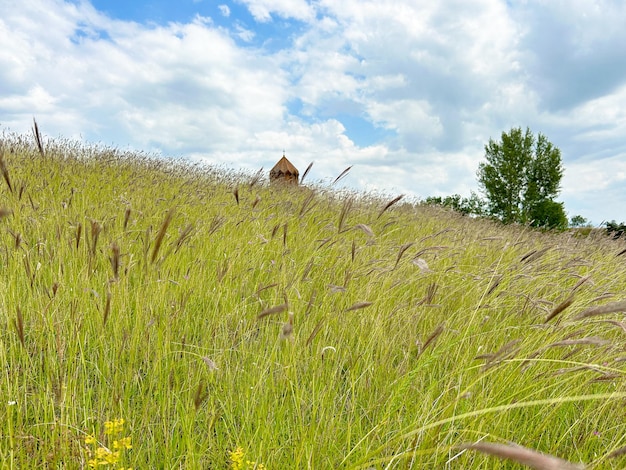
point(522, 173)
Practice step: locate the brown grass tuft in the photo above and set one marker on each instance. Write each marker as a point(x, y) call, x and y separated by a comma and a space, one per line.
point(115, 260)
point(401, 251)
point(306, 172)
point(18, 323)
point(343, 173)
point(5, 172)
point(272, 310)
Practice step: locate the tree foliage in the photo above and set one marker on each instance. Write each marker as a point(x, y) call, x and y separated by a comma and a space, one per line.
point(472, 205)
point(521, 178)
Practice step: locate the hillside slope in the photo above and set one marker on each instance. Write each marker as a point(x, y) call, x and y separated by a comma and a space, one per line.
point(227, 321)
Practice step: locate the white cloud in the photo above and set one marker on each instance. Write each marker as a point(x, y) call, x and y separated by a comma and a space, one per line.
point(224, 10)
point(440, 77)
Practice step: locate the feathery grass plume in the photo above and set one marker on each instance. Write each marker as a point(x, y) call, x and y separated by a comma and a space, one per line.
point(343, 214)
point(287, 329)
point(200, 396)
point(422, 264)
point(275, 230)
point(494, 284)
point(115, 260)
point(534, 255)
point(96, 228)
point(159, 238)
point(210, 363)
point(401, 251)
point(306, 172)
point(222, 270)
point(560, 308)
point(185, 234)
point(430, 340)
point(522, 455)
point(314, 333)
point(272, 310)
point(285, 234)
point(343, 173)
point(107, 309)
point(358, 306)
point(236, 194)
point(126, 218)
point(18, 323)
point(353, 251)
point(256, 201)
point(5, 172)
point(306, 205)
point(366, 229)
point(216, 222)
point(307, 270)
point(311, 302)
point(613, 307)
point(38, 138)
point(506, 351)
point(79, 230)
point(256, 178)
point(619, 324)
point(621, 253)
point(389, 204)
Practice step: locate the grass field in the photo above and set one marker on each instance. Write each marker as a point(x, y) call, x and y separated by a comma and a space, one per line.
point(159, 315)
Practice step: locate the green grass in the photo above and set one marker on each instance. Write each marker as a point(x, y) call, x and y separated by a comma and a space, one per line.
point(138, 289)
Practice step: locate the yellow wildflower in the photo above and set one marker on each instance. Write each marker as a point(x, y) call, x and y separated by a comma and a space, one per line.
point(114, 427)
point(236, 459)
point(89, 439)
point(123, 443)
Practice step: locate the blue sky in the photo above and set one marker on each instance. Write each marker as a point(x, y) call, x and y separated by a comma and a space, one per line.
point(408, 92)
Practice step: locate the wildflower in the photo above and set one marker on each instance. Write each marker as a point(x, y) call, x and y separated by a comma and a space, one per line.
point(236, 459)
point(114, 427)
point(89, 439)
point(123, 443)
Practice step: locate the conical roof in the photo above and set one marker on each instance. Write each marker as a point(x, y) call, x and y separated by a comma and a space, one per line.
point(284, 168)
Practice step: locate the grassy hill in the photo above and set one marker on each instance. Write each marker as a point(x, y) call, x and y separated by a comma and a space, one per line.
point(157, 315)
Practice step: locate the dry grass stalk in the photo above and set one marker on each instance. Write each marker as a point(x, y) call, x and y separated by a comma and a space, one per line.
point(353, 251)
point(96, 228)
point(107, 309)
point(5, 172)
point(236, 194)
point(18, 323)
point(216, 222)
point(306, 205)
point(522, 455)
point(115, 260)
point(619, 324)
point(38, 138)
point(430, 340)
point(256, 178)
point(534, 255)
point(621, 253)
point(345, 209)
point(508, 350)
point(79, 230)
point(161, 235)
point(359, 305)
point(389, 204)
point(202, 393)
point(401, 252)
point(306, 172)
point(612, 307)
point(272, 310)
point(494, 284)
point(311, 303)
point(560, 308)
point(343, 173)
point(366, 229)
point(315, 331)
point(256, 201)
point(126, 217)
point(285, 234)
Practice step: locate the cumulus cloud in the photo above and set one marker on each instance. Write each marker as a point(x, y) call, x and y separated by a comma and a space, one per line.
point(432, 80)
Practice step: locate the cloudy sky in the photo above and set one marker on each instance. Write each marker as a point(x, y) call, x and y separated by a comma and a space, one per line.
point(406, 91)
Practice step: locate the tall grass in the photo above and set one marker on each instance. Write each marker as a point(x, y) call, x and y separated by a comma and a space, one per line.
point(292, 327)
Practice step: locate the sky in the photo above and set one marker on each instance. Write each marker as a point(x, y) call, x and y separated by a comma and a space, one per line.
point(407, 92)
